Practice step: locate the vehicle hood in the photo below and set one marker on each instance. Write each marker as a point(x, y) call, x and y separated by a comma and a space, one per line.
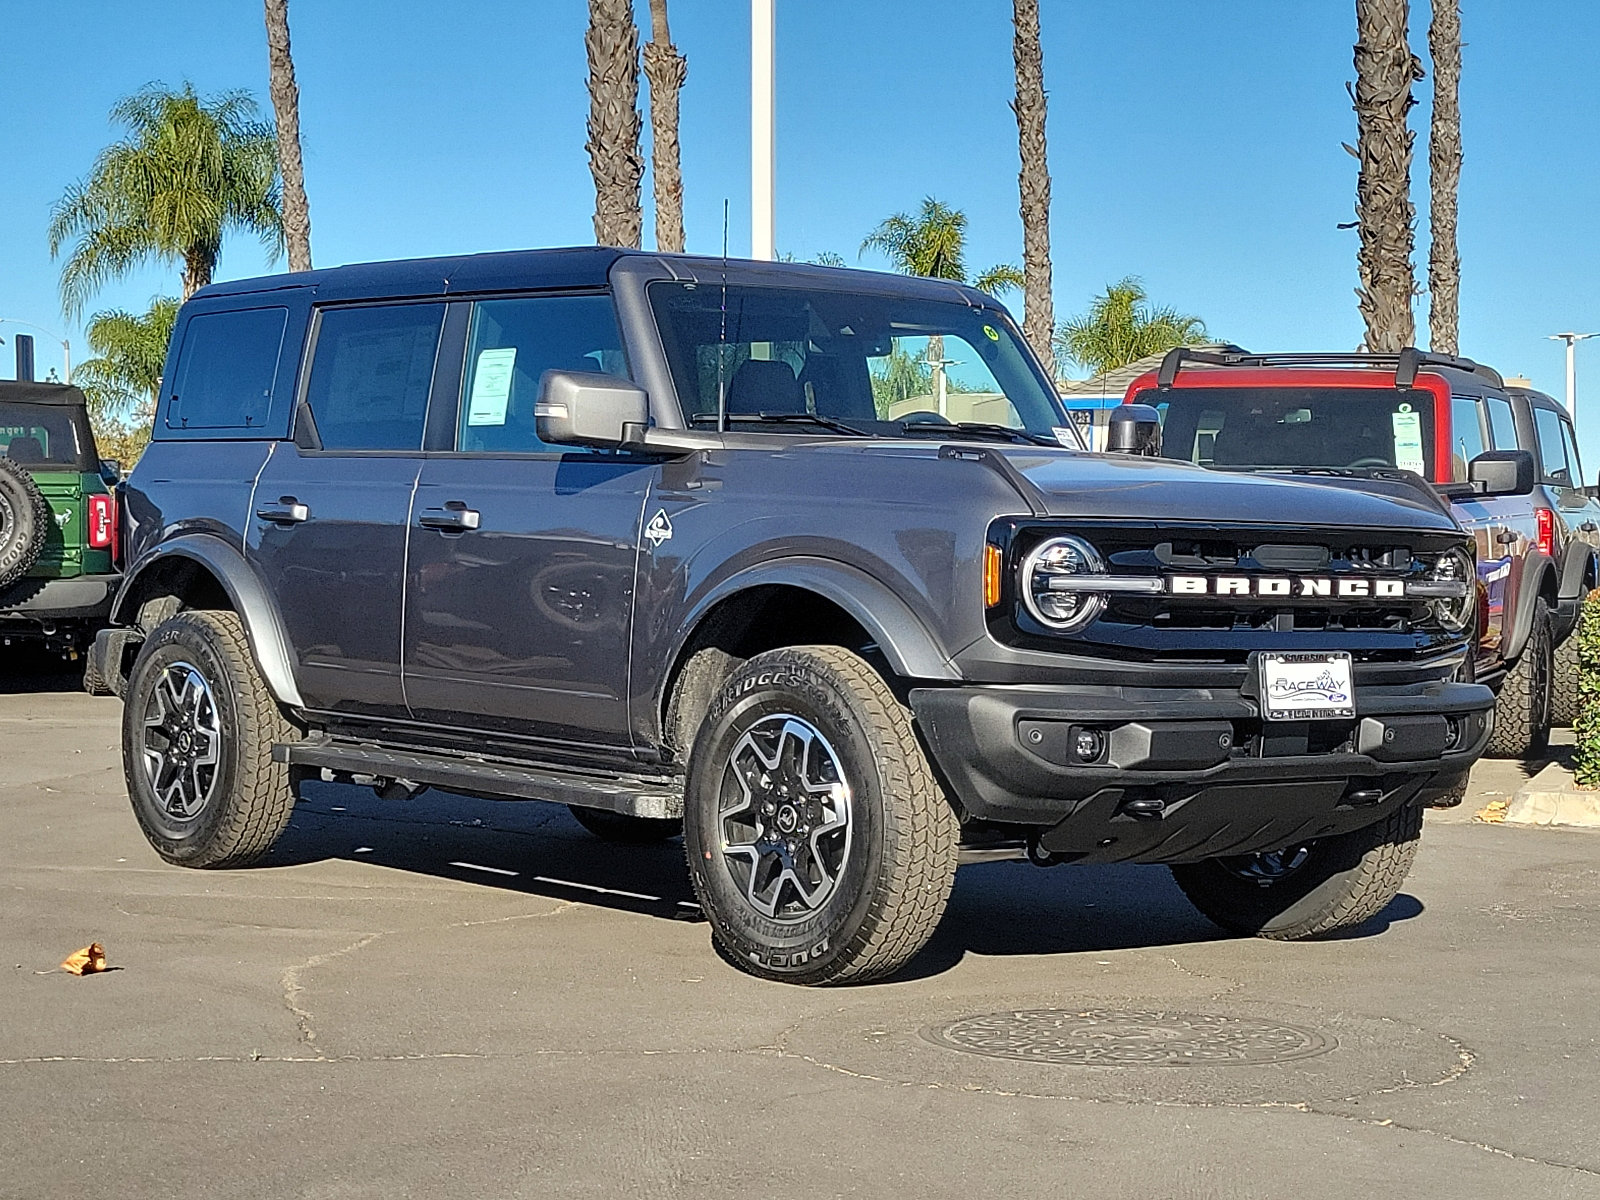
point(1166, 491)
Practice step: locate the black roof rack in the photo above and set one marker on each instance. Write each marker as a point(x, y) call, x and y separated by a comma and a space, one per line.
point(1406, 363)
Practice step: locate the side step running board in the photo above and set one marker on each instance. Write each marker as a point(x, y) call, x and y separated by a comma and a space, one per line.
point(631, 795)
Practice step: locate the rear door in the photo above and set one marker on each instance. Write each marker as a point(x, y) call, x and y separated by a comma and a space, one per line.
point(520, 575)
point(329, 514)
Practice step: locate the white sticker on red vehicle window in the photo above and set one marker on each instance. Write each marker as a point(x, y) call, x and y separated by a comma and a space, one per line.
point(491, 387)
point(1408, 439)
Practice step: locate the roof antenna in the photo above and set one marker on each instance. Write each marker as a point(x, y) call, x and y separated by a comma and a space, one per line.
point(722, 341)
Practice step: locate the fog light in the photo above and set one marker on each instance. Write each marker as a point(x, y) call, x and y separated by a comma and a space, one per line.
point(1088, 745)
point(1452, 733)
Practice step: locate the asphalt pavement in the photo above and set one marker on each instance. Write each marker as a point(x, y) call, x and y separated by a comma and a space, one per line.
point(450, 997)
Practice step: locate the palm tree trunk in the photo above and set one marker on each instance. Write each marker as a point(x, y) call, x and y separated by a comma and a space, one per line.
point(199, 264)
point(286, 104)
point(1385, 70)
point(1444, 177)
point(613, 45)
point(666, 69)
point(1038, 324)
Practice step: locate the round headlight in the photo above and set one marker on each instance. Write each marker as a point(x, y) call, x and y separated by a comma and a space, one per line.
point(1058, 583)
point(1455, 613)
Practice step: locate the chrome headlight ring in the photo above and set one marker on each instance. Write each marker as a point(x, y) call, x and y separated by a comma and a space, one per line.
point(1454, 573)
point(1059, 587)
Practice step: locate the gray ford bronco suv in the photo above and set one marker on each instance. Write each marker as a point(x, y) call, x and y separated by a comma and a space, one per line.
point(698, 545)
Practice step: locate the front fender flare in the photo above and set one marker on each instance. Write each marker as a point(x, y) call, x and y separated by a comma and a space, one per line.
point(251, 600)
point(1537, 571)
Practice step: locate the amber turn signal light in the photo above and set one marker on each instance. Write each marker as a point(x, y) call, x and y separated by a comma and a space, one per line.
point(992, 560)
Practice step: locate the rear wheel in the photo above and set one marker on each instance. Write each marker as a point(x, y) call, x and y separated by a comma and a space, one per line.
point(24, 523)
point(1308, 890)
point(198, 728)
point(1564, 683)
point(820, 846)
point(623, 829)
point(1522, 710)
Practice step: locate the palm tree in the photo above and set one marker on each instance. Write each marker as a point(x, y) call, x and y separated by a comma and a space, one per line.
point(933, 242)
point(666, 70)
point(1120, 328)
point(614, 160)
point(1444, 177)
point(1038, 306)
point(286, 105)
point(191, 170)
point(130, 350)
point(1385, 71)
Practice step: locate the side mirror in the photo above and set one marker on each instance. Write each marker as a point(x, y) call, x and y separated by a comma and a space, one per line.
point(586, 408)
point(1134, 429)
point(110, 471)
point(1502, 473)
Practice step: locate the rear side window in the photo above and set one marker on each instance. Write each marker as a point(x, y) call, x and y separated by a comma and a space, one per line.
point(513, 343)
point(1466, 436)
point(227, 369)
point(1574, 463)
point(1552, 450)
point(1502, 427)
point(371, 373)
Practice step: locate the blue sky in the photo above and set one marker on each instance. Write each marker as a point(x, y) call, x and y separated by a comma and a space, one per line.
point(1195, 144)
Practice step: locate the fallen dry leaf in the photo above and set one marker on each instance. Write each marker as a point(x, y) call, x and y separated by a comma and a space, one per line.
point(88, 961)
point(1494, 812)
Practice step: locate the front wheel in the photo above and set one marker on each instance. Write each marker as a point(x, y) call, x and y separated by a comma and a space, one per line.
point(198, 727)
point(1308, 890)
point(821, 848)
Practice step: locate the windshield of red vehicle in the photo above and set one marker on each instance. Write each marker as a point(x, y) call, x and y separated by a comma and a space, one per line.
point(1260, 427)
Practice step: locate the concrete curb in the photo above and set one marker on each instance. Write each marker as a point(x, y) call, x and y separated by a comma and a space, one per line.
point(1552, 798)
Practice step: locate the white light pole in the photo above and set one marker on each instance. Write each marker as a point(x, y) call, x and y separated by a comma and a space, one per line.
point(66, 346)
point(1572, 340)
point(763, 133)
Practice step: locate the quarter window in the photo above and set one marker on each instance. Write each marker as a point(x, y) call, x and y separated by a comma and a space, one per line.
point(371, 373)
point(512, 343)
point(1502, 427)
point(228, 369)
point(1466, 436)
point(1552, 452)
point(1574, 463)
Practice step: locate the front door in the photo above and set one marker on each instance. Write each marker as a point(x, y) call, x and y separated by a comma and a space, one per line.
point(329, 515)
point(520, 575)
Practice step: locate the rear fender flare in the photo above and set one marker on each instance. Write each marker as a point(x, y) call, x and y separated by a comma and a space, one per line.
point(244, 588)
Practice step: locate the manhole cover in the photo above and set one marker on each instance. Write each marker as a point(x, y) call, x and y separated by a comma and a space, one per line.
point(1102, 1037)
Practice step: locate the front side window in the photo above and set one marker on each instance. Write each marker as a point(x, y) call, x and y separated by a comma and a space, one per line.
point(797, 357)
point(371, 373)
point(228, 368)
point(1552, 450)
point(514, 342)
point(1466, 435)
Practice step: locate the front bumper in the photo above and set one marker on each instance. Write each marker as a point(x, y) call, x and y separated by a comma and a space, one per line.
point(1186, 774)
point(47, 601)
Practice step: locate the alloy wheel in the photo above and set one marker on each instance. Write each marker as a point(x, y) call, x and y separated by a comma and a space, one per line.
point(182, 741)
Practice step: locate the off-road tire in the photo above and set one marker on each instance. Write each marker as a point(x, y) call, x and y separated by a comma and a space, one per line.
point(894, 882)
point(1522, 710)
point(1344, 881)
point(95, 683)
point(1564, 683)
point(252, 798)
point(24, 522)
point(625, 830)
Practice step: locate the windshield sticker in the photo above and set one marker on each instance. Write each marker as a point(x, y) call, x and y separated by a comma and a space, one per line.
point(1065, 436)
point(1407, 439)
point(991, 333)
point(491, 387)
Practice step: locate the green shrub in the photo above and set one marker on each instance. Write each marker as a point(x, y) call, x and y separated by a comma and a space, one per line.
point(1586, 729)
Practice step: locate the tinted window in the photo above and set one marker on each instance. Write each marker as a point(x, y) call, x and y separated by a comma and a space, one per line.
point(1552, 451)
point(227, 368)
point(1574, 463)
point(511, 344)
point(370, 375)
point(1502, 427)
point(1466, 436)
point(33, 435)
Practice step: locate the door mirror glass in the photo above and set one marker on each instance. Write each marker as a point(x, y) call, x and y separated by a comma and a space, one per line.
point(586, 408)
point(1502, 473)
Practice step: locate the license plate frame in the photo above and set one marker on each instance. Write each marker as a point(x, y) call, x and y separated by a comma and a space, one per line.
point(1293, 688)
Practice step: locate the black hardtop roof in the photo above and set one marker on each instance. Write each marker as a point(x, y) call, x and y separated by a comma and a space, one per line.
point(570, 267)
point(15, 391)
point(1537, 398)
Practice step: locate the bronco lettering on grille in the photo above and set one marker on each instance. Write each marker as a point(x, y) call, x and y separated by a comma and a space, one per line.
point(1286, 586)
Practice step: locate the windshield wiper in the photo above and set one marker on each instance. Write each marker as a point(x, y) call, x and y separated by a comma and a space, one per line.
point(785, 418)
point(982, 428)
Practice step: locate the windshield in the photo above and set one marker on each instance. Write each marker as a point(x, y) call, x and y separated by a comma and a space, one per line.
point(1348, 427)
point(36, 436)
point(794, 358)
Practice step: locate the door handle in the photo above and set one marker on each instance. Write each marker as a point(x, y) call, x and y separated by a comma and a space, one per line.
point(1506, 538)
point(454, 517)
point(286, 510)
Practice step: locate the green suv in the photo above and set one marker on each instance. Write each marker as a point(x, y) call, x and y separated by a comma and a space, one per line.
point(58, 519)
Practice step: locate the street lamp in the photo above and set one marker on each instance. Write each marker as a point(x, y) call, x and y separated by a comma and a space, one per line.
point(763, 133)
point(66, 346)
point(1571, 339)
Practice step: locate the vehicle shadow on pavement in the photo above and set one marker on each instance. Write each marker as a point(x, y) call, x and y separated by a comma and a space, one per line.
point(26, 669)
point(997, 909)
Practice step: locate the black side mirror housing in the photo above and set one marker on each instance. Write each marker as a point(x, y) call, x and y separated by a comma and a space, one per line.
point(110, 471)
point(587, 408)
point(1502, 473)
point(1134, 429)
